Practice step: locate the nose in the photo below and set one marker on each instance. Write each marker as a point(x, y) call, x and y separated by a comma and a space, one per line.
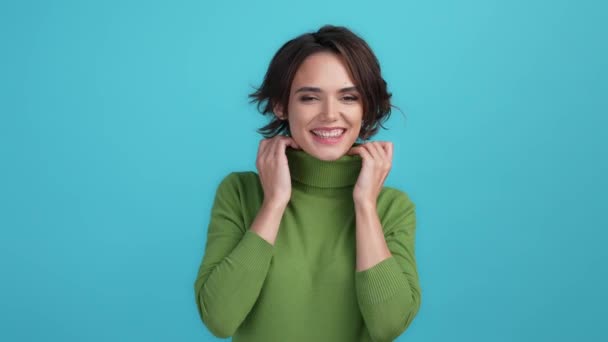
point(330, 110)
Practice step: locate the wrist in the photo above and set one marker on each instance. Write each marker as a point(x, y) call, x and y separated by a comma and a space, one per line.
point(365, 204)
point(274, 204)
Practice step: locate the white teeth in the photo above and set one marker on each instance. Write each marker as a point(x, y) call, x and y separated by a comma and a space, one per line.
point(329, 134)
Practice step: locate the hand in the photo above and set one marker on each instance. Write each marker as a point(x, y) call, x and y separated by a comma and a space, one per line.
point(377, 159)
point(274, 170)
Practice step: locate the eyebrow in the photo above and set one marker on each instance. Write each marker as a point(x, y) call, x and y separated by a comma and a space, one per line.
point(318, 90)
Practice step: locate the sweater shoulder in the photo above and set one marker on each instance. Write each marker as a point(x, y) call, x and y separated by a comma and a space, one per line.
point(390, 194)
point(395, 208)
point(240, 179)
point(244, 186)
point(248, 180)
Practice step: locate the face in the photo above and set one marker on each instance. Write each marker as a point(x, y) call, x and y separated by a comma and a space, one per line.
point(325, 110)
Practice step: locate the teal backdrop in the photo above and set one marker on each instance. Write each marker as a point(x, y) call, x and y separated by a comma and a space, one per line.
point(119, 119)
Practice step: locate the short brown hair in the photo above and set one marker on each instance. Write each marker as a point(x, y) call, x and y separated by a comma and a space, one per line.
point(360, 62)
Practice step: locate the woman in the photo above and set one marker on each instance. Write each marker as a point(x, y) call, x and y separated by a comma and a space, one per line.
point(313, 247)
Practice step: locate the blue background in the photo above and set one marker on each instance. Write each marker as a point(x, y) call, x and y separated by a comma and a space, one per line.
point(119, 119)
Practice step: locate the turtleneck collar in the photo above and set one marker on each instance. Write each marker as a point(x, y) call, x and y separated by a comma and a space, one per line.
point(312, 172)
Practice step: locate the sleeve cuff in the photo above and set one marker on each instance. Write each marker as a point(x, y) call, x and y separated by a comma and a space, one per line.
point(380, 282)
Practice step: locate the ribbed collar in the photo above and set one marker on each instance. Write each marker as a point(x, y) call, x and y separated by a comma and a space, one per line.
point(307, 169)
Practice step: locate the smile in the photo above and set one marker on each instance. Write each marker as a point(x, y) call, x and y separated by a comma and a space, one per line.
point(328, 137)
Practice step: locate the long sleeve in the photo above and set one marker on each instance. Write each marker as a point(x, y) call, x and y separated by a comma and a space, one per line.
point(234, 266)
point(389, 293)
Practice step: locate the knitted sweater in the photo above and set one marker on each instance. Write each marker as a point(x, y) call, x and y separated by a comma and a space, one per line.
point(305, 287)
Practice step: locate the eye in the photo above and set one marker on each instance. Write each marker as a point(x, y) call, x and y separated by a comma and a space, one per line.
point(350, 98)
point(307, 98)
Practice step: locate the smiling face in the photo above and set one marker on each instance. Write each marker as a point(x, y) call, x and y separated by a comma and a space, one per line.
point(325, 109)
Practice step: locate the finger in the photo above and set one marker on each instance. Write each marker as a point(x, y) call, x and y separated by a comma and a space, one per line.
point(383, 152)
point(353, 150)
point(363, 152)
point(386, 159)
point(262, 147)
point(293, 143)
point(375, 151)
point(269, 151)
point(389, 149)
point(382, 149)
point(272, 149)
point(280, 145)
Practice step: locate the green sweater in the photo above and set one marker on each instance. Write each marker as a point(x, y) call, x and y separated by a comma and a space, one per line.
point(305, 287)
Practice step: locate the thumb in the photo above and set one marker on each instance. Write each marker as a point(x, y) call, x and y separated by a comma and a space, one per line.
point(293, 143)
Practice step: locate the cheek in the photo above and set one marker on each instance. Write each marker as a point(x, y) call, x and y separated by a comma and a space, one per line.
point(356, 117)
point(295, 121)
point(300, 115)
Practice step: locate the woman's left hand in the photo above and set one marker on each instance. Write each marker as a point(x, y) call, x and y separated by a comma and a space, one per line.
point(377, 162)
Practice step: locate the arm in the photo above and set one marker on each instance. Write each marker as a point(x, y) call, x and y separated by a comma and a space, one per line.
point(387, 283)
point(236, 261)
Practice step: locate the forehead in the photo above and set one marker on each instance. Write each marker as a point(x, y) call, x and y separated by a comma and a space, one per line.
point(325, 70)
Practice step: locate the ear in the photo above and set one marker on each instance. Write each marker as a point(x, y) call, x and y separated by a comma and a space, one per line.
point(278, 111)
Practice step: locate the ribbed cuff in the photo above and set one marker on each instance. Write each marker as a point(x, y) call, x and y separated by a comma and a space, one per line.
point(253, 252)
point(380, 282)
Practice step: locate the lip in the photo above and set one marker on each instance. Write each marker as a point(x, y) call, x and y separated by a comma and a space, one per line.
point(328, 141)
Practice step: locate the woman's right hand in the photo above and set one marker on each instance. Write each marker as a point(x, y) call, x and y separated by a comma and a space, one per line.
point(273, 169)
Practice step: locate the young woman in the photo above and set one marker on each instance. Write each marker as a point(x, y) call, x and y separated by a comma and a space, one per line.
point(313, 247)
